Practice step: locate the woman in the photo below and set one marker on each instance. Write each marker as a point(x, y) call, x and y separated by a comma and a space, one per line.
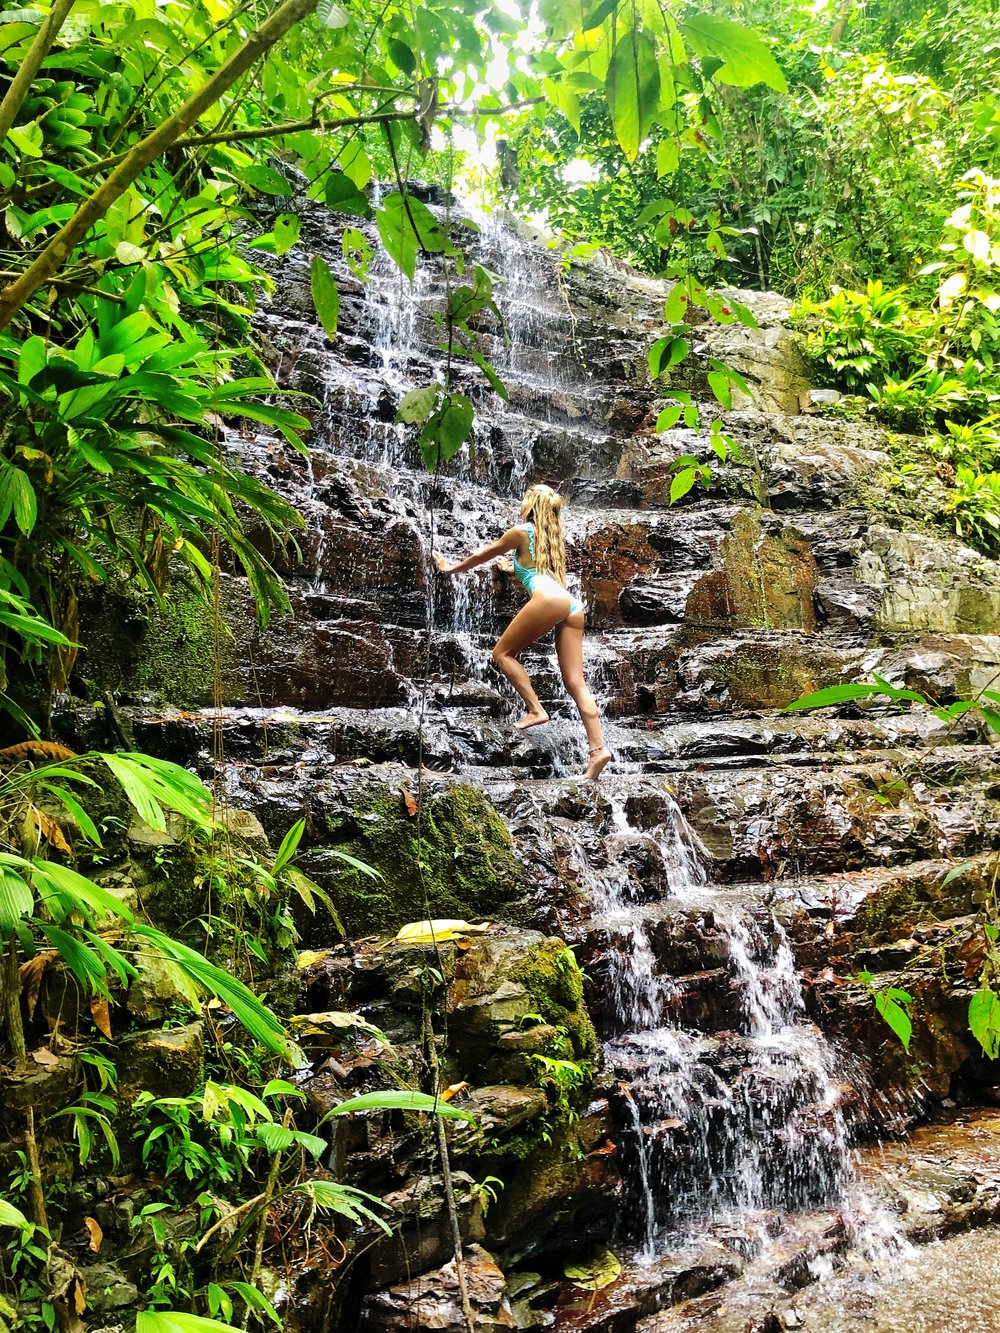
point(539, 551)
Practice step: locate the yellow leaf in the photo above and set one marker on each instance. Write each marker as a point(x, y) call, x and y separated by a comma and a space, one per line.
point(603, 1269)
point(436, 932)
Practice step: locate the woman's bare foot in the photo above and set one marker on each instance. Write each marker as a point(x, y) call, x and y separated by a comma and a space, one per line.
point(533, 719)
point(599, 760)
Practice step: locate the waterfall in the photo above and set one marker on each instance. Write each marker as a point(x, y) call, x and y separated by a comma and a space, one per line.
point(716, 1126)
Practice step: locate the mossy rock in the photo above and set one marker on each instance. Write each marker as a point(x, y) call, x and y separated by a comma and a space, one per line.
point(137, 649)
point(454, 858)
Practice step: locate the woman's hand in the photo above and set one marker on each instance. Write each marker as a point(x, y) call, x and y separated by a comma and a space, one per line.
point(505, 564)
point(441, 563)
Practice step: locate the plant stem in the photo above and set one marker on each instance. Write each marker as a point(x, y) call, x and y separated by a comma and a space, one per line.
point(10, 984)
point(37, 1194)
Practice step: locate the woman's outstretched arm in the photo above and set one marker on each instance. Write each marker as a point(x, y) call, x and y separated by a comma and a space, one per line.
point(508, 542)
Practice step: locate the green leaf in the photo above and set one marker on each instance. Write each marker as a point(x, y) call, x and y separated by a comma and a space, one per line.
point(633, 89)
point(956, 871)
point(265, 179)
point(402, 55)
point(889, 1004)
point(417, 405)
point(746, 59)
point(668, 418)
point(399, 1101)
point(666, 353)
point(683, 482)
point(174, 1321)
point(984, 1020)
point(343, 196)
point(603, 1269)
point(345, 1200)
point(446, 430)
point(13, 1217)
point(332, 15)
point(16, 900)
point(407, 226)
point(258, 1020)
point(721, 388)
point(834, 694)
point(256, 1300)
point(325, 296)
point(668, 157)
point(275, 1138)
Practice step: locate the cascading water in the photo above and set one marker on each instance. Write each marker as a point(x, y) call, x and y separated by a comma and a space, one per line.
point(716, 1124)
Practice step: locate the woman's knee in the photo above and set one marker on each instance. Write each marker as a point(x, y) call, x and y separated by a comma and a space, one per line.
point(499, 655)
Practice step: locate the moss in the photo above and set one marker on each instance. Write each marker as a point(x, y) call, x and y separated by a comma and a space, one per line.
point(459, 854)
point(551, 976)
point(134, 647)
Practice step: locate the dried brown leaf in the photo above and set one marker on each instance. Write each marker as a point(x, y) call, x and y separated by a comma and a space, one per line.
point(36, 750)
point(100, 1014)
point(95, 1233)
point(50, 830)
point(43, 1056)
point(411, 804)
point(31, 973)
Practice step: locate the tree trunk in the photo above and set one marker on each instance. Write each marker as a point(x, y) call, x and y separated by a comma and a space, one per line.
point(14, 297)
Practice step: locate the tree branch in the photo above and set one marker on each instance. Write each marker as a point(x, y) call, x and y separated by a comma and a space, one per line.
point(31, 64)
point(50, 260)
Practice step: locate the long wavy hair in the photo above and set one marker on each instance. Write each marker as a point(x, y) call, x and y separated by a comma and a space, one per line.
point(542, 508)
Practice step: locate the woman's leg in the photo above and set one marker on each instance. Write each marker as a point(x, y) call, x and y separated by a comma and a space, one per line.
point(569, 649)
point(532, 621)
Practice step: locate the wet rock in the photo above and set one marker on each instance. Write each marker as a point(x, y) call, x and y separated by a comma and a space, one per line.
point(166, 1062)
point(434, 1300)
point(108, 1288)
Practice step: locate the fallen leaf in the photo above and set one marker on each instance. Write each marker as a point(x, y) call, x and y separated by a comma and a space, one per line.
point(30, 973)
point(36, 750)
point(43, 1056)
point(96, 1234)
point(453, 1090)
point(436, 932)
point(50, 830)
point(100, 1014)
point(411, 804)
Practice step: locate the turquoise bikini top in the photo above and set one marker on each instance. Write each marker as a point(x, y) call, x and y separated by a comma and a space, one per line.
point(526, 575)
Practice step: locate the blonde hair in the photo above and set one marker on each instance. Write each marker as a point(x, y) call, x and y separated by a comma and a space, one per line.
point(544, 512)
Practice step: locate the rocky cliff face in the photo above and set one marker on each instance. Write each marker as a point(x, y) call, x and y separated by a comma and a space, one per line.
point(733, 864)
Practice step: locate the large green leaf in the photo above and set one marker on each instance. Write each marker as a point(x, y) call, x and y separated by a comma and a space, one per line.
point(13, 1217)
point(633, 90)
point(325, 296)
point(984, 1020)
point(16, 900)
point(745, 58)
point(834, 694)
point(175, 1321)
point(407, 227)
point(399, 1101)
point(258, 1020)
